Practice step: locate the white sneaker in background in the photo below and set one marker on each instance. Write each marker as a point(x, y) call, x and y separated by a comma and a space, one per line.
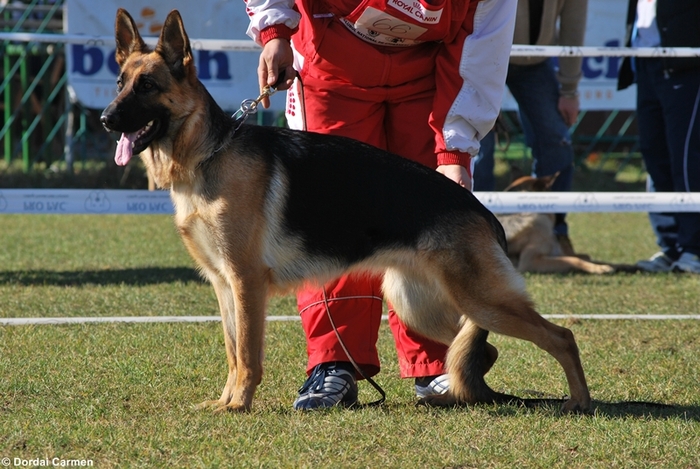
point(688, 262)
point(659, 262)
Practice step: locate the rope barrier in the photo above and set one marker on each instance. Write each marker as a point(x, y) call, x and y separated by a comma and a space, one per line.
point(195, 319)
point(143, 202)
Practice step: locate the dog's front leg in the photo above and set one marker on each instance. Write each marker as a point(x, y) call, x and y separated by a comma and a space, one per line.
point(224, 295)
point(250, 296)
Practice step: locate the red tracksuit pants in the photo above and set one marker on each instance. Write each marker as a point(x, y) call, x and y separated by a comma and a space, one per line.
point(396, 119)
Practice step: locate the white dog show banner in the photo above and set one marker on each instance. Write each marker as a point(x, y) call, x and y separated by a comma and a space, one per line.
point(605, 27)
point(231, 76)
point(85, 201)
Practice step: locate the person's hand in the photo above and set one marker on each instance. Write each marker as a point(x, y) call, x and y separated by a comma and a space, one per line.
point(457, 173)
point(276, 59)
point(569, 107)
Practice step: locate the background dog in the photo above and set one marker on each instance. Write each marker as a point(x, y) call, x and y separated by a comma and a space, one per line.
point(264, 209)
point(532, 244)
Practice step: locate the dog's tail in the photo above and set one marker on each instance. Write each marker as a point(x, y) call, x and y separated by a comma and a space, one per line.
point(469, 358)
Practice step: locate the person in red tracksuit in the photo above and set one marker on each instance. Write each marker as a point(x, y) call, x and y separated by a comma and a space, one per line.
point(423, 79)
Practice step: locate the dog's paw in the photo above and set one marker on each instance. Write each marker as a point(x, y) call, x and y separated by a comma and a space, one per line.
point(602, 269)
point(219, 406)
point(213, 405)
point(231, 407)
point(573, 406)
point(438, 400)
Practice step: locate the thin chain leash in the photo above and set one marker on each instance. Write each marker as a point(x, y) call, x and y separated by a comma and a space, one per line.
point(250, 106)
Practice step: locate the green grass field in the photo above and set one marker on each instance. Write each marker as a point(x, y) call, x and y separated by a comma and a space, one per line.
point(122, 395)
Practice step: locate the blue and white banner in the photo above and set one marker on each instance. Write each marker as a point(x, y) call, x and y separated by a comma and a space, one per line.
point(84, 201)
point(605, 27)
point(231, 75)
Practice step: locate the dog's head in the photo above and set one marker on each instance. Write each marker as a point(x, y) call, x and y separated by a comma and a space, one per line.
point(149, 82)
point(532, 184)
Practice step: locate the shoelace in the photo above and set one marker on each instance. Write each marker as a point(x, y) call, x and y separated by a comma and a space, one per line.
point(315, 381)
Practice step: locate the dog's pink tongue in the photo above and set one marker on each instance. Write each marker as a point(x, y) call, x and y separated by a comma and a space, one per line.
point(125, 150)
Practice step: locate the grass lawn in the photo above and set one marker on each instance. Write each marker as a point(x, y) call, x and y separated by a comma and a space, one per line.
point(122, 395)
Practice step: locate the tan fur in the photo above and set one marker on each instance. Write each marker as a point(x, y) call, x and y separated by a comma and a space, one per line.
point(456, 285)
point(532, 244)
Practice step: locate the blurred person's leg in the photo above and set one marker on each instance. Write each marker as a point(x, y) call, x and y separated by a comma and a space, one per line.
point(484, 179)
point(536, 91)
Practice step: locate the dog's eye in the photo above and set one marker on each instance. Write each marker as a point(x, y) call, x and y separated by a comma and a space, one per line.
point(147, 85)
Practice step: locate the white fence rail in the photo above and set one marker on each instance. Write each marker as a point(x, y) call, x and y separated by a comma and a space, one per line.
point(242, 45)
point(143, 202)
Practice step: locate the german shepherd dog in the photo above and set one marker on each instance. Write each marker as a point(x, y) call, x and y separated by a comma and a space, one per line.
point(263, 209)
point(532, 244)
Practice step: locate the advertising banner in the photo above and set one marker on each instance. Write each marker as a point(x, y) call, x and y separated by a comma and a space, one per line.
point(231, 77)
point(605, 27)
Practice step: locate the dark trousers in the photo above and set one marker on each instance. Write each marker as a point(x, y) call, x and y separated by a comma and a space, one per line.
point(668, 116)
point(536, 90)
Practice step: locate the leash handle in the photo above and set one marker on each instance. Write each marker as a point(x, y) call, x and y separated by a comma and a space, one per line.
point(250, 106)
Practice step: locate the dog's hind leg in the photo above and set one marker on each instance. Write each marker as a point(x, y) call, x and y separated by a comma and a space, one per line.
point(511, 313)
point(518, 318)
point(418, 302)
point(488, 290)
point(469, 358)
point(535, 259)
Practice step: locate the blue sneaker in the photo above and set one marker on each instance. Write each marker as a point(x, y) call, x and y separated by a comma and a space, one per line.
point(432, 385)
point(329, 384)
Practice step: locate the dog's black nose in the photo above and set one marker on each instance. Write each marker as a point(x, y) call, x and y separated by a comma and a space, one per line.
point(108, 120)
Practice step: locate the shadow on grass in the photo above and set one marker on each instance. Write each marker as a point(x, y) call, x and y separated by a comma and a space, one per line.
point(133, 276)
point(615, 410)
point(552, 406)
point(654, 410)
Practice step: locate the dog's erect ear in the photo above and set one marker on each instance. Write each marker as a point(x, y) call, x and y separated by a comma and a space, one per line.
point(522, 184)
point(174, 45)
point(548, 181)
point(128, 38)
point(532, 184)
